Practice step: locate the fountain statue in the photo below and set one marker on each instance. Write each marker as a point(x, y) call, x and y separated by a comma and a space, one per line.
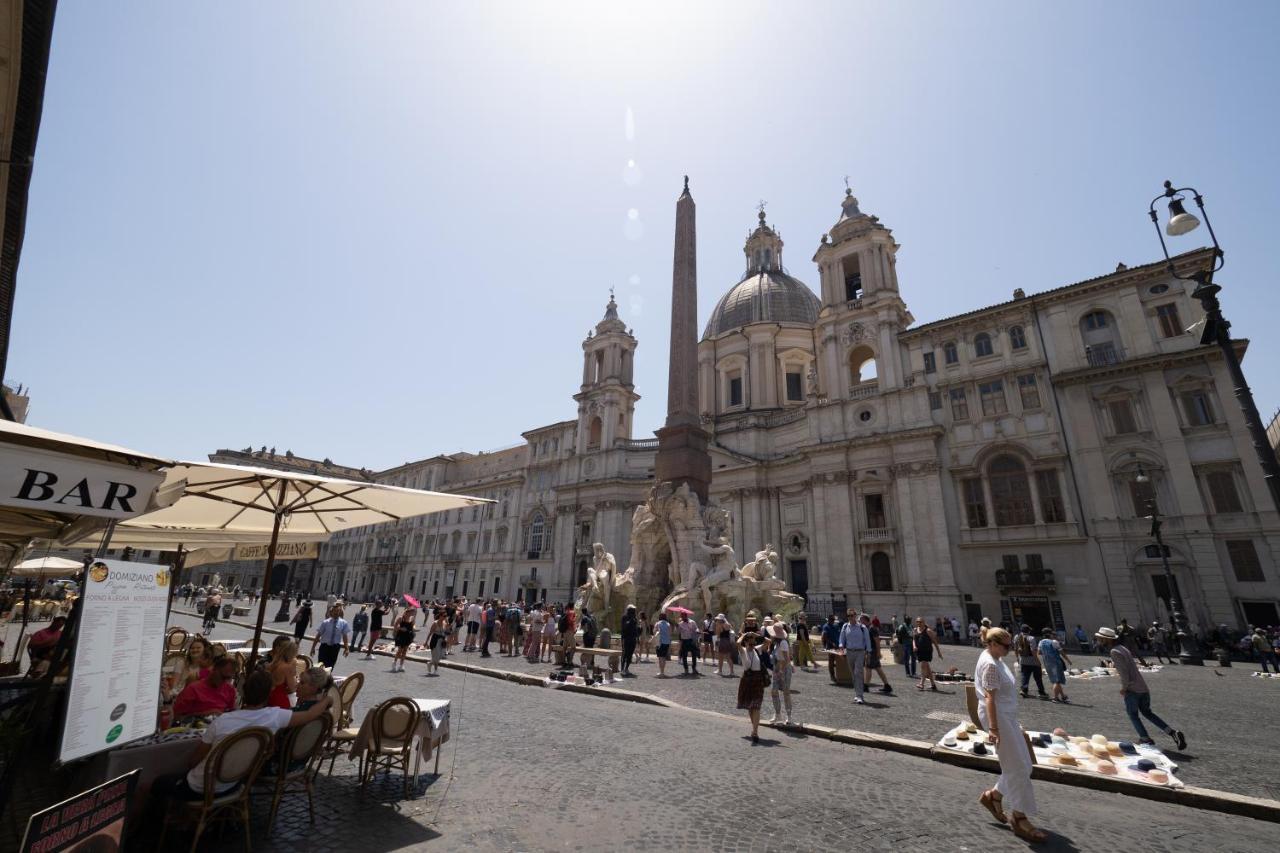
point(606, 592)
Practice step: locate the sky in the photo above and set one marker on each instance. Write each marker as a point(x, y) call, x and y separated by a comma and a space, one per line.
point(376, 232)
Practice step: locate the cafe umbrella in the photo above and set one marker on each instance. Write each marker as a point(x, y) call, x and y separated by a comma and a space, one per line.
point(238, 499)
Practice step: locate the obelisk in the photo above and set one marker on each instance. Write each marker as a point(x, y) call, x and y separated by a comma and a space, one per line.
point(682, 444)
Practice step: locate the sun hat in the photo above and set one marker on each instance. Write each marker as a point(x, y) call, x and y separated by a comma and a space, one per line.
point(1060, 732)
point(970, 728)
point(986, 621)
point(1114, 748)
point(1100, 750)
point(1106, 633)
point(1128, 748)
point(1143, 765)
point(949, 740)
point(979, 748)
point(961, 734)
point(1106, 767)
point(1058, 749)
point(1158, 776)
point(1059, 739)
point(768, 620)
point(720, 617)
point(1102, 739)
point(1066, 760)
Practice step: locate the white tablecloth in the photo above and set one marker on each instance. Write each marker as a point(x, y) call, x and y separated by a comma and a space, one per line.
point(432, 731)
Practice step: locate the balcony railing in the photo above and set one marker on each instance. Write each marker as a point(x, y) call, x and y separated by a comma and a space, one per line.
point(636, 443)
point(877, 534)
point(864, 389)
point(1040, 578)
point(1103, 355)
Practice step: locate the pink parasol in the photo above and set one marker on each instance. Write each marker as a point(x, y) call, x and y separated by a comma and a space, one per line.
point(411, 601)
point(680, 610)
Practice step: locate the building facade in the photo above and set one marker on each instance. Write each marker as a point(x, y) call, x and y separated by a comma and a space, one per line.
point(983, 464)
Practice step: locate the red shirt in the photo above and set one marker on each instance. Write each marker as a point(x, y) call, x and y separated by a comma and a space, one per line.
point(201, 697)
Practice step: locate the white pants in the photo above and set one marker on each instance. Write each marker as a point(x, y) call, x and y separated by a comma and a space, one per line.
point(856, 659)
point(1015, 771)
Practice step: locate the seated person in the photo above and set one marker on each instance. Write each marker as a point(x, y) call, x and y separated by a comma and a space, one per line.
point(312, 687)
point(44, 642)
point(213, 694)
point(253, 712)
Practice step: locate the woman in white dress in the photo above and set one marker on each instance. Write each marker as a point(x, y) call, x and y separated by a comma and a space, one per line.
point(998, 712)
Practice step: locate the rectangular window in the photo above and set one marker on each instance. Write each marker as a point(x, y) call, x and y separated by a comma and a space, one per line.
point(1167, 316)
point(435, 587)
point(1051, 508)
point(1244, 560)
point(1142, 494)
point(497, 582)
point(795, 387)
point(853, 286)
point(1009, 562)
point(482, 583)
point(1222, 489)
point(735, 389)
point(959, 405)
point(1122, 420)
point(935, 401)
point(466, 584)
point(1029, 391)
point(930, 363)
point(1195, 405)
point(1035, 563)
point(992, 396)
point(875, 510)
point(975, 503)
point(950, 354)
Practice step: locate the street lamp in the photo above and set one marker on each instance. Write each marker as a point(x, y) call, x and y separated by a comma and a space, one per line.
point(1216, 328)
point(1188, 649)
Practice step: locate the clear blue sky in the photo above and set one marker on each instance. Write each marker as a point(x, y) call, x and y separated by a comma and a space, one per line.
point(380, 231)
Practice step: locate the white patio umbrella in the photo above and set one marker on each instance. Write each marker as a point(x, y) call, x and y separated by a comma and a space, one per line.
point(237, 499)
point(45, 566)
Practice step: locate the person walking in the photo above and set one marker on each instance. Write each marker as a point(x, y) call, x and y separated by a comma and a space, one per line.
point(406, 627)
point(1055, 661)
point(1137, 696)
point(437, 639)
point(804, 646)
point(708, 650)
point(375, 627)
point(780, 684)
point(473, 627)
point(301, 621)
point(1083, 639)
point(548, 635)
point(903, 633)
point(998, 713)
point(646, 636)
point(333, 634)
point(926, 643)
point(533, 636)
point(1263, 648)
point(662, 637)
point(688, 631)
point(630, 634)
point(1028, 661)
point(751, 685)
point(1157, 642)
point(487, 626)
point(872, 661)
point(830, 633)
point(724, 645)
point(359, 627)
point(974, 635)
point(855, 639)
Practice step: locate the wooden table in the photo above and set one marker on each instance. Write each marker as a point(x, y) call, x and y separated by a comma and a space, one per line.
point(431, 734)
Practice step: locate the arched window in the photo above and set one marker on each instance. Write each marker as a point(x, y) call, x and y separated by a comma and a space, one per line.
point(1017, 338)
point(881, 574)
point(599, 372)
point(862, 365)
point(1010, 491)
point(1101, 340)
point(594, 434)
point(536, 529)
point(982, 345)
point(949, 353)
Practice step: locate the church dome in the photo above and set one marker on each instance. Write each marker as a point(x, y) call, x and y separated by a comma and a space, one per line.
point(764, 296)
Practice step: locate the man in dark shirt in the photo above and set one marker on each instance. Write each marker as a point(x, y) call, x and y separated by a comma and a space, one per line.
point(490, 614)
point(630, 633)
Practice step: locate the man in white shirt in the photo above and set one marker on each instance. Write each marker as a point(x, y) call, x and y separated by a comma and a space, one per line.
point(333, 633)
point(855, 639)
point(473, 626)
point(253, 712)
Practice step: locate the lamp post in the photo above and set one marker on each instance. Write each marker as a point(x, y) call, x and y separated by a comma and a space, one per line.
point(1188, 650)
point(1216, 328)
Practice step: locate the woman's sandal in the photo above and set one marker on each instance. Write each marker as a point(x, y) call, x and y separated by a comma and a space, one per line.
point(1023, 829)
point(990, 803)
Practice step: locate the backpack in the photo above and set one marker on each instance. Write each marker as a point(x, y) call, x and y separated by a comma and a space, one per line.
point(1023, 647)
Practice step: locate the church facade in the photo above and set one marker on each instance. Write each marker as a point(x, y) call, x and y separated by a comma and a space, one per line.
point(984, 464)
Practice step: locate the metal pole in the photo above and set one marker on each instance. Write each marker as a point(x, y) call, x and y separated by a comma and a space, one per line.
point(266, 576)
point(1188, 649)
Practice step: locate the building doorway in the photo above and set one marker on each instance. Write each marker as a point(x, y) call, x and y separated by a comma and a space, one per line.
point(800, 577)
point(973, 612)
point(1260, 613)
point(1031, 610)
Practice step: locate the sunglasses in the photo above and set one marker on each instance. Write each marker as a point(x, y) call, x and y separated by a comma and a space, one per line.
point(1005, 645)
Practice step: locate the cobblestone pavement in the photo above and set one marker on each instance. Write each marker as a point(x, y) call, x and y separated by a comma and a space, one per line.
point(539, 769)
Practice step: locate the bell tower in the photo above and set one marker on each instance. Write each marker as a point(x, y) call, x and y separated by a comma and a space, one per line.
point(862, 311)
point(607, 398)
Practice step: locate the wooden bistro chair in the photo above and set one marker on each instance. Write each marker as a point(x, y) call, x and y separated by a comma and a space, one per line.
point(235, 759)
point(299, 750)
point(395, 722)
point(344, 732)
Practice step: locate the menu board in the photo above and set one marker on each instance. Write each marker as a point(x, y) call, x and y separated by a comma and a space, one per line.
point(119, 648)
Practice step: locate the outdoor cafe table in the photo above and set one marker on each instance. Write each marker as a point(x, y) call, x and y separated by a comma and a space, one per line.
point(157, 756)
point(432, 732)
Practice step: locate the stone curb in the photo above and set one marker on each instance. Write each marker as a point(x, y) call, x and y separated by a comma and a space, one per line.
point(1198, 798)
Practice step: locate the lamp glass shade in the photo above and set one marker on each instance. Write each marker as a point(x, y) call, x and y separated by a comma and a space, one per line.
point(1180, 222)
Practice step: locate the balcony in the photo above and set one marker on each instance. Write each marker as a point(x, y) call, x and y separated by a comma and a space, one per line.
point(636, 443)
point(1103, 355)
point(864, 389)
point(1012, 580)
point(529, 581)
point(877, 534)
